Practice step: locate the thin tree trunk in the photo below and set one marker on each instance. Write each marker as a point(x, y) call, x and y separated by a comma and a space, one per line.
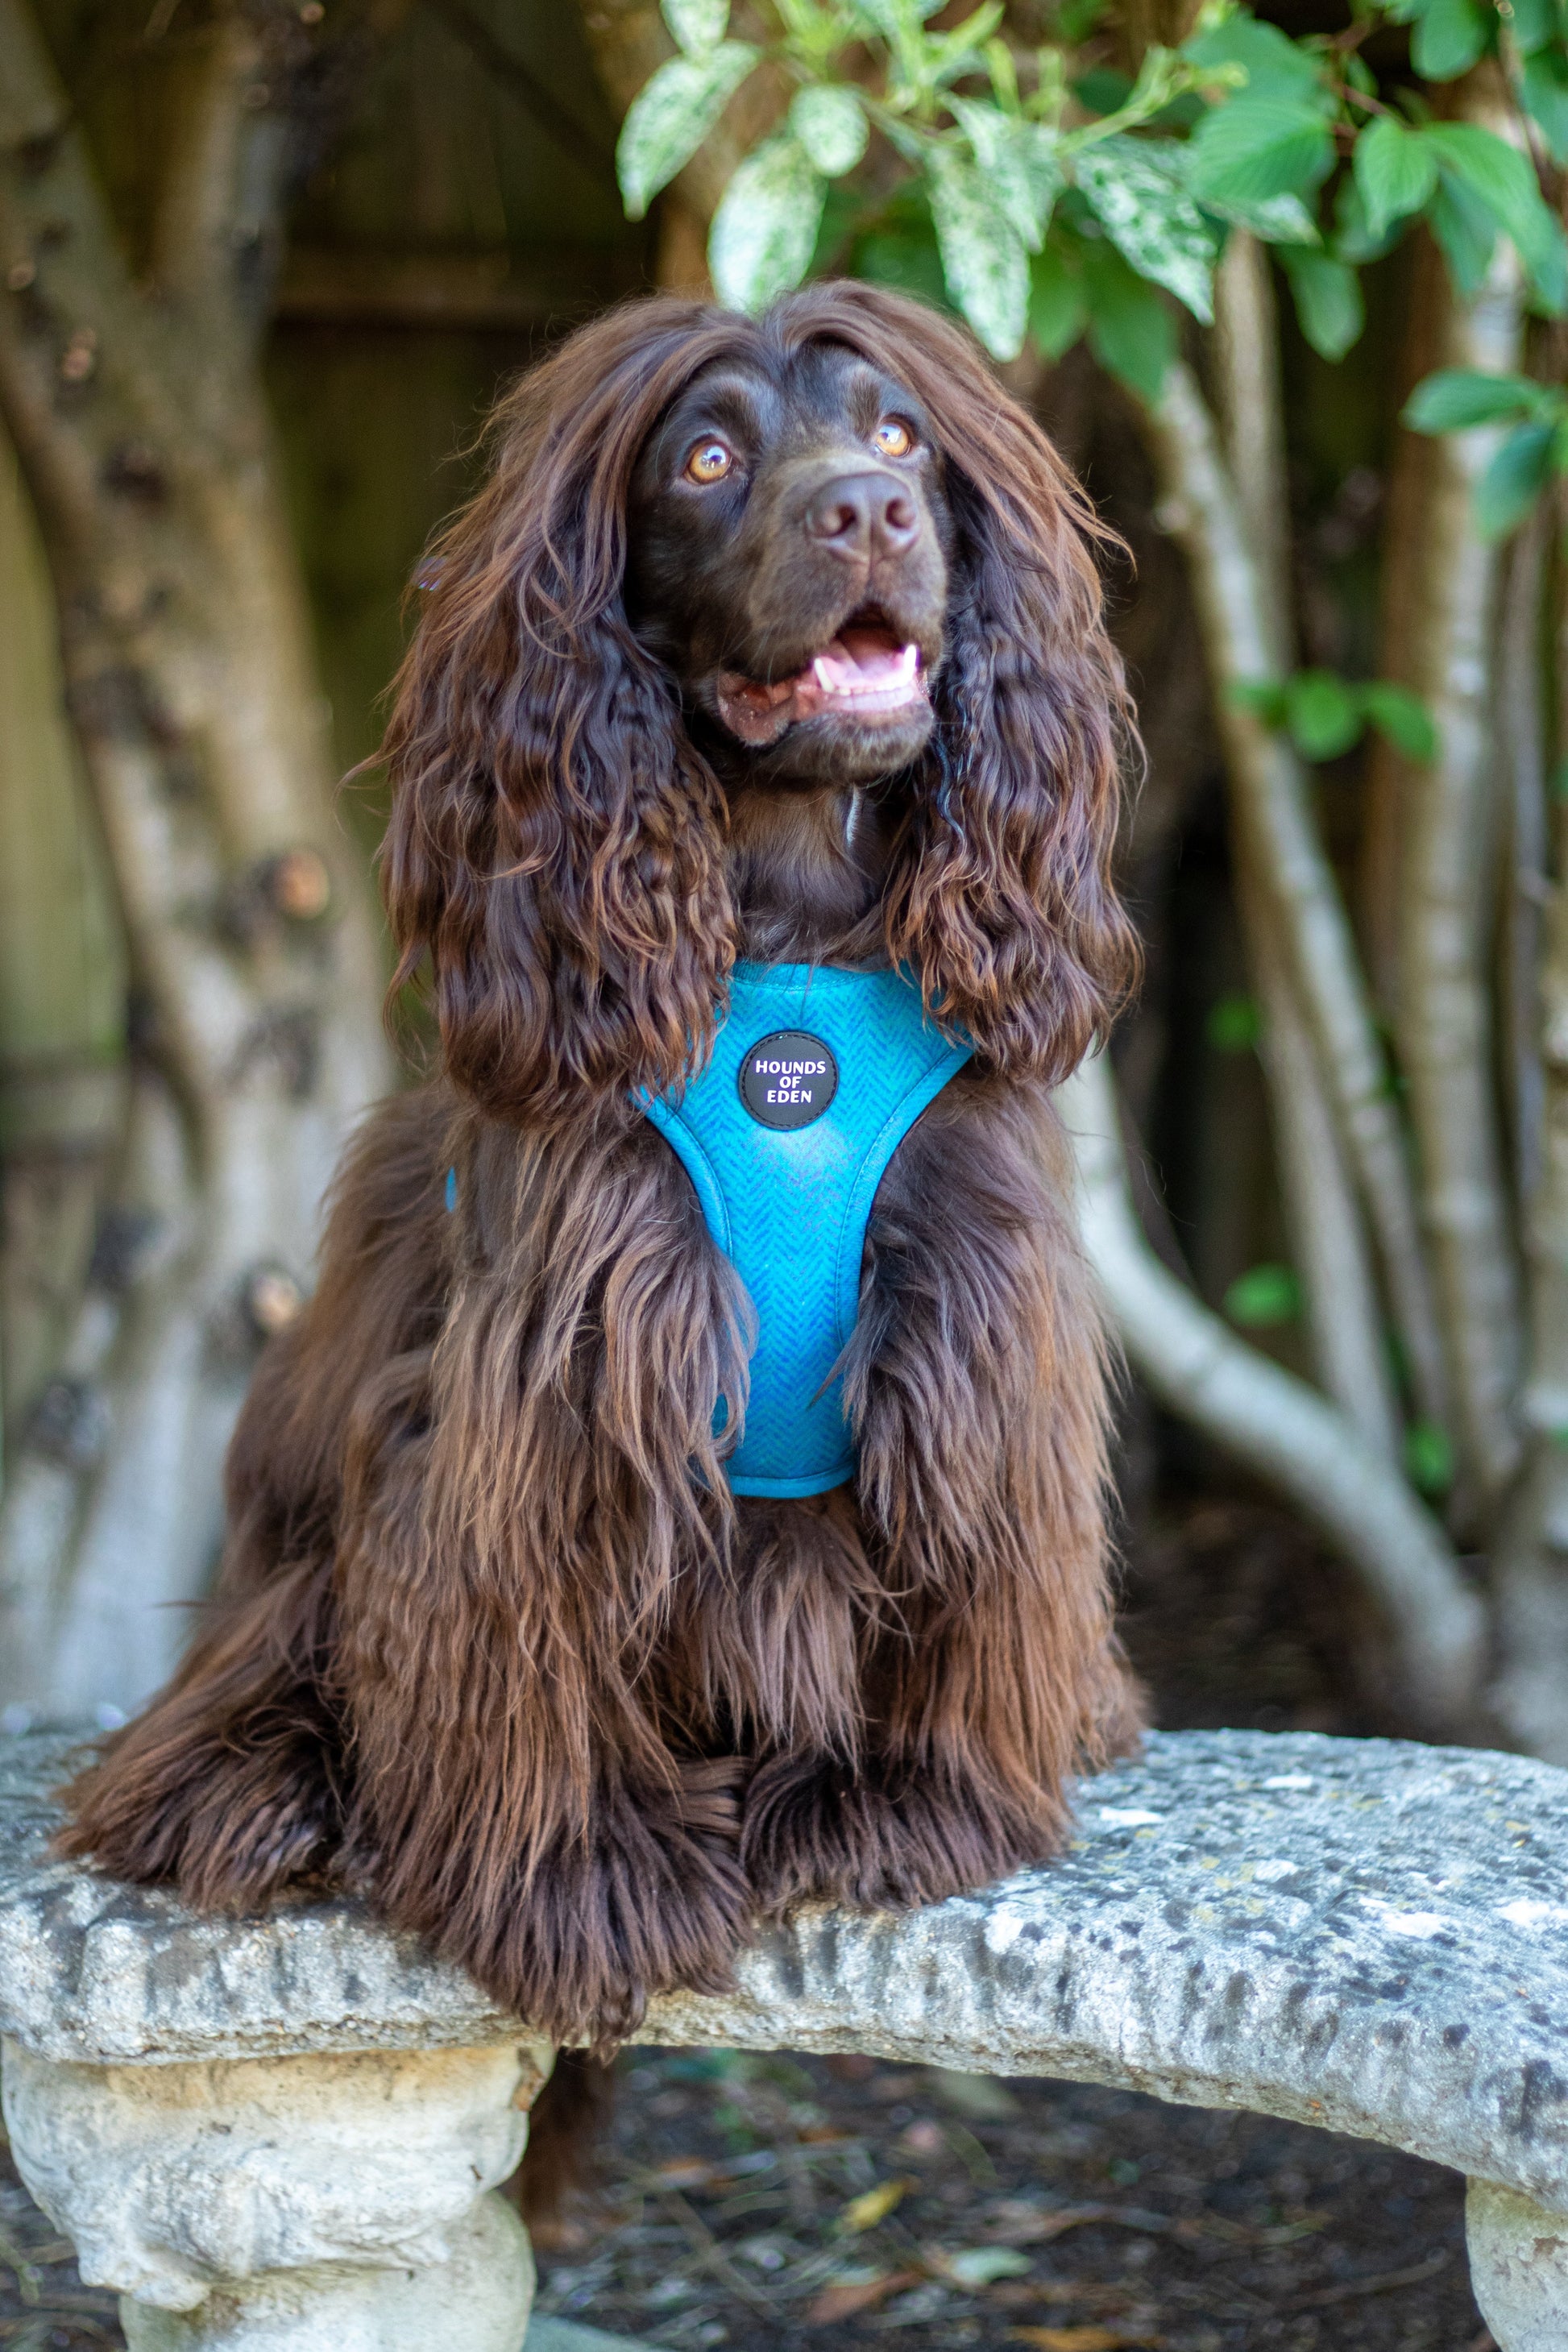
point(1280, 1428)
point(1279, 839)
point(1322, 1216)
point(1445, 577)
point(144, 440)
point(1525, 889)
point(1530, 1560)
point(62, 986)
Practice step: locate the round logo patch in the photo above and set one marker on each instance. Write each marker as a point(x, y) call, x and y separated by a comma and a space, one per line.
point(788, 1079)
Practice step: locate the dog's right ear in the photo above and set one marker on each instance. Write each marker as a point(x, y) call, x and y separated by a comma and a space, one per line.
point(555, 844)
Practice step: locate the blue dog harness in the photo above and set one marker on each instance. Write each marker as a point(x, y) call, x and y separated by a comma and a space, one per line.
point(817, 1076)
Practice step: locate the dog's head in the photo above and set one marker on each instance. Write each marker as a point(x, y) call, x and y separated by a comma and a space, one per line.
point(787, 562)
point(812, 550)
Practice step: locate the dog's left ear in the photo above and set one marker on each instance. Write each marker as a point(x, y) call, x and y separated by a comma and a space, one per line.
point(554, 845)
point(1001, 899)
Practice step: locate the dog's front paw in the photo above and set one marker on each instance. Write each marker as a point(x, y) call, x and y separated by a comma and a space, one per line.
point(814, 1827)
point(803, 1834)
point(653, 1898)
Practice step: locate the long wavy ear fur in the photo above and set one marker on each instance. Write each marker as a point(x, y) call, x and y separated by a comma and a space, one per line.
point(555, 842)
point(1001, 898)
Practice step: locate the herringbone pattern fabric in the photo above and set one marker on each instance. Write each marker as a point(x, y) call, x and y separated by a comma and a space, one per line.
point(790, 1207)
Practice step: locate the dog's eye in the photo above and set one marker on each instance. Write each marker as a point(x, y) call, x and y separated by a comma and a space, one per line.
point(708, 462)
point(893, 439)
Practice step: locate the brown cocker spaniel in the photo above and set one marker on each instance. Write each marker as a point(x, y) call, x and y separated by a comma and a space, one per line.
point(779, 641)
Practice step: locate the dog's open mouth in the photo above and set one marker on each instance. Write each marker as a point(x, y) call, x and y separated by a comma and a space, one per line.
point(869, 672)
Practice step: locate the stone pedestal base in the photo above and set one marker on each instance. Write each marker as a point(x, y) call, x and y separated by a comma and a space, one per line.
point(1519, 2268)
point(306, 2204)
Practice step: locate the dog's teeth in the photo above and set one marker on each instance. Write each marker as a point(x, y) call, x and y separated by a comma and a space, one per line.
point(909, 661)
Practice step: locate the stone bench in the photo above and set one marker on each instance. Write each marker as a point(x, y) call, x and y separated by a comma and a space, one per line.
point(287, 2133)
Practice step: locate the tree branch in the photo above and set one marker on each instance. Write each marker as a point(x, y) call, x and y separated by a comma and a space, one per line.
point(1531, 1558)
point(1279, 835)
point(1278, 1426)
point(195, 210)
point(1448, 577)
point(1522, 729)
point(1322, 1216)
point(1245, 349)
point(186, 641)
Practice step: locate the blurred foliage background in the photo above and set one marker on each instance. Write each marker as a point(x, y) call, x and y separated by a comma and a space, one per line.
point(266, 264)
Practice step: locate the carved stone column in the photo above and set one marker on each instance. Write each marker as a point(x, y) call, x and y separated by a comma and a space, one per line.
point(335, 2203)
point(1519, 2267)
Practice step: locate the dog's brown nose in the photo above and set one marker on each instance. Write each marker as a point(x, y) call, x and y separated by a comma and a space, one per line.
point(863, 515)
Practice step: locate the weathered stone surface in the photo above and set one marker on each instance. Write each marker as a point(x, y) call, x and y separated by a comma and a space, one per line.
point(92, 1970)
point(1365, 1935)
point(1519, 2268)
point(474, 2301)
point(172, 2181)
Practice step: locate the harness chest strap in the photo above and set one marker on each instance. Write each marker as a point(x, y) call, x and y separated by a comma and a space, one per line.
point(815, 1077)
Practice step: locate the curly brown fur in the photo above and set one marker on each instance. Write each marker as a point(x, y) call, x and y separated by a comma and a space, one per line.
point(493, 1643)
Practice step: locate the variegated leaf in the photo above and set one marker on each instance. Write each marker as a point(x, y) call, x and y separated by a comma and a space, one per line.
point(1139, 201)
point(765, 226)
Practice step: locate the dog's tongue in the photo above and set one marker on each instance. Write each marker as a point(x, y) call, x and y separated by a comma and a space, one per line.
point(865, 661)
point(864, 673)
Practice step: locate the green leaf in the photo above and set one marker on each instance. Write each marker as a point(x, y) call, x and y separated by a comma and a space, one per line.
point(962, 51)
point(1322, 713)
point(1354, 240)
point(982, 256)
point(671, 115)
point(1150, 218)
point(830, 123)
point(895, 20)
point(1537, 25)
point(1515, 478)
point(1103, 89)
point(903, 253)
point(1449, 35)
point(1274, 64)
point(1428, 1458)
point(1327, 295)
point(1543, 87)
point(1394, 171)
point(1004, 73)
point(1057, 306)
point(697, 26)
point(1235, 1023)
point(1018, 160)
point(1076, 19)
point(1265, 696)
point(1264, 1297)
point(1456, 398)
point(1503, 181)
point(1131, 327)
point(1402, 718)
point(1275, 220)
point(1467, 233)
point(1254, 148)
point(765, 228)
